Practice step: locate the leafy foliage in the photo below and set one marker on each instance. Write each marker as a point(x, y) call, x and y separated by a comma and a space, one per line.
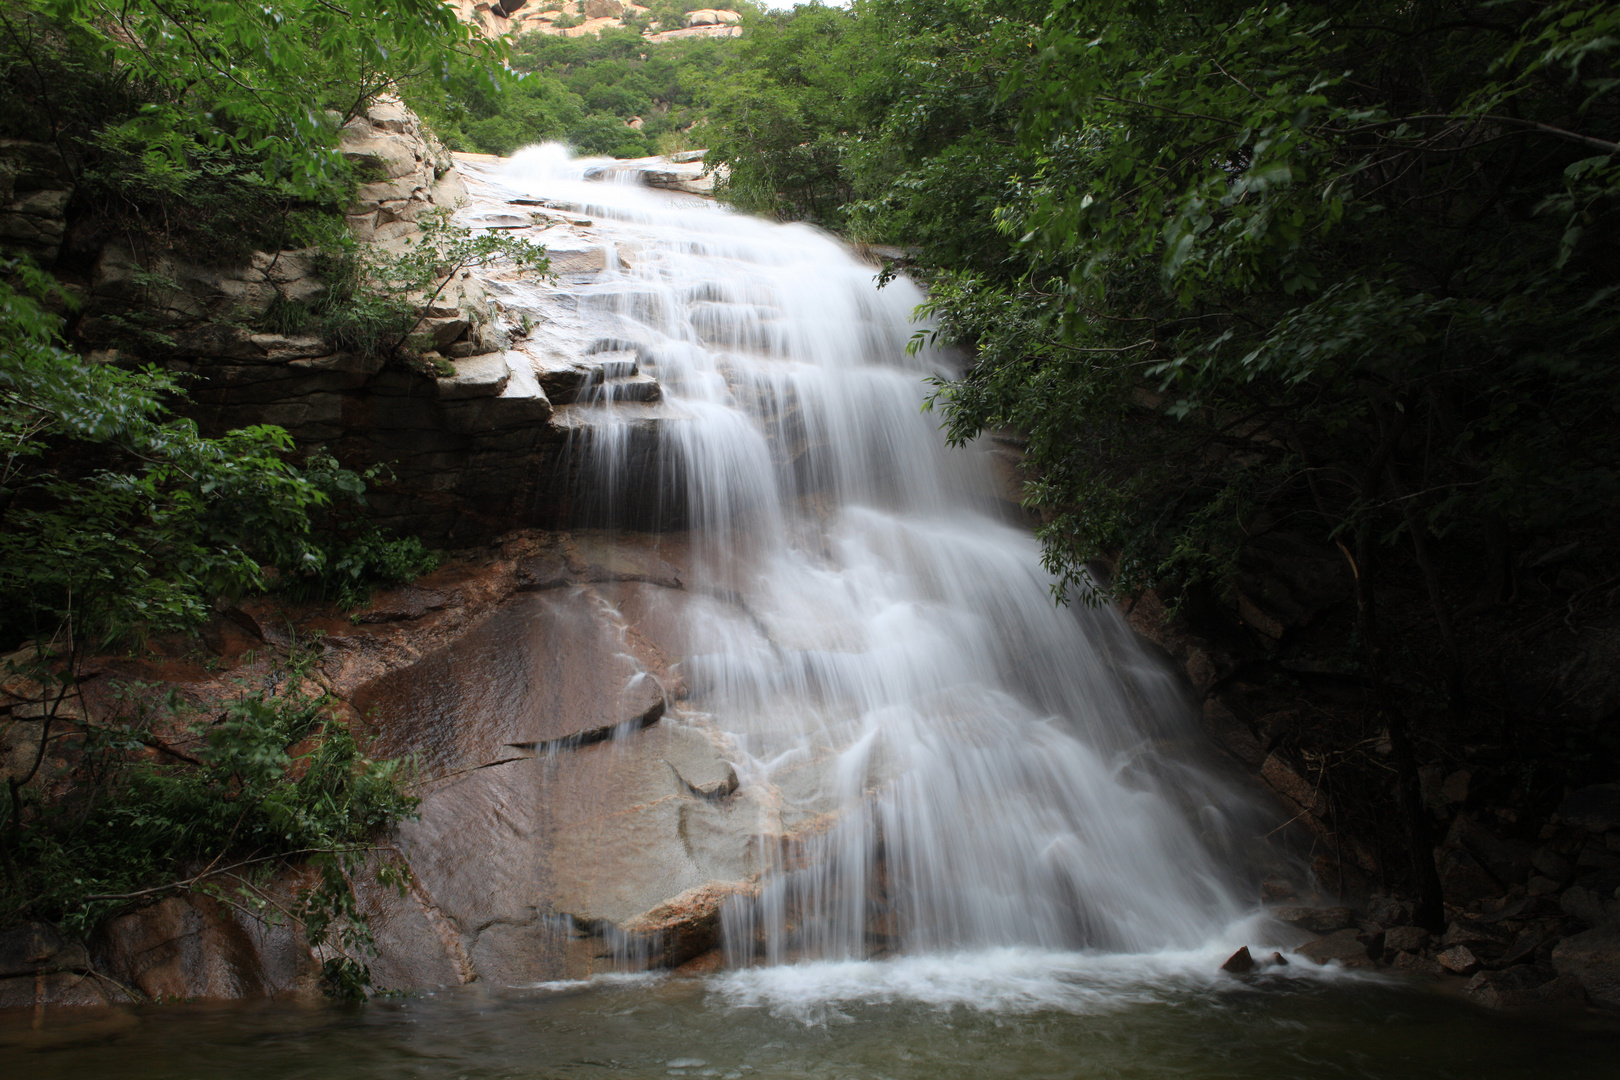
point(159, 805)
point(583, 91)
point(258, 80)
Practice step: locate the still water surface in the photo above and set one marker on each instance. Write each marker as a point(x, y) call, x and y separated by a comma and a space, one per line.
point(991, 1015)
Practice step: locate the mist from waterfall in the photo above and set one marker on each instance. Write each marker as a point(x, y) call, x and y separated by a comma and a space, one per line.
point(957, 762)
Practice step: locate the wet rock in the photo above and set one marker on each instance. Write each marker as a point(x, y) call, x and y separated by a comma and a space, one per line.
point(69, 989)
point(195, 947)
point(1459, 960)
point(1406, 939)
point(1239, 962)
point(1316, 920)
point(1593, 958)
point(1587, 905)
point(1485, 939)
point(1504, 861)
point(545, 669)
point(402, 604)
point(559, 833)
point(1527, 986)
point(1527, 945)
point(39, 948)
point(1541, 886)
point(1287, 782)
point(1388, 911)
point(1345, 946)
point(1412, 963)
point(1595, 809)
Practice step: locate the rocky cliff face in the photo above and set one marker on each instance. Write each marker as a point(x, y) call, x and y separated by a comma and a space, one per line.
point(34, 192)
point(574, 819)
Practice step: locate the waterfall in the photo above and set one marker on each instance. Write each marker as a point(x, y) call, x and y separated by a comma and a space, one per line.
point(952, 759)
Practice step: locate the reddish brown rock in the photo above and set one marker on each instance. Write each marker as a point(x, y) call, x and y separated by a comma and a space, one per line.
point(1406, 939)
point(196, 947)
point(1459, 960)
point(1345, 947)
point(1239, 962)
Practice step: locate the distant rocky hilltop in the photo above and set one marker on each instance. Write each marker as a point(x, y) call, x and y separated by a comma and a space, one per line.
point(576, 18)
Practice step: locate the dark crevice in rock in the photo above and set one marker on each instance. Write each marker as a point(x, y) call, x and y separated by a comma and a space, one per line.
point(717, 792)
point(588, 737)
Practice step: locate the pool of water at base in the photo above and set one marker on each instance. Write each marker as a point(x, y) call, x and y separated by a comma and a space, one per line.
point(989, 1016)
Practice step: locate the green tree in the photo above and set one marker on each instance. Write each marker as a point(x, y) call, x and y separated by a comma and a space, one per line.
point(257, 80)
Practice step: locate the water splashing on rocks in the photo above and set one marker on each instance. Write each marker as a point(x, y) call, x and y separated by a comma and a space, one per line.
point(938, 757)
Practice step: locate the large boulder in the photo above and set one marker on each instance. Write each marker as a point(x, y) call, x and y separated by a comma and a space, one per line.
point(570, 823)
point(1344, 947)
point(1593, 958)
point(38, 948)
point(197, 947)
point(1528, 986)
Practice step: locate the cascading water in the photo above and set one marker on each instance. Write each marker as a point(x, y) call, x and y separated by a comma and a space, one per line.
point(954, 760)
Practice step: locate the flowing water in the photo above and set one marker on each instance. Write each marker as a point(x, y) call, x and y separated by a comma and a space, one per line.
point(992, 769)
point(1006, 859)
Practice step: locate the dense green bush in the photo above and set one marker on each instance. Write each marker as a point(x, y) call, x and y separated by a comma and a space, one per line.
point(206, 129)
point(160, 801)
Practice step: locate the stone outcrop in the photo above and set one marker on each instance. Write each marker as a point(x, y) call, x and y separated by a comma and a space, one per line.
point(39, 964)
point(719, 30)
point(188, 947)
point(410, 172)
point(35, 186)
point(712, 17)
point(516, 17)
point(574, 817)
point(471, 452)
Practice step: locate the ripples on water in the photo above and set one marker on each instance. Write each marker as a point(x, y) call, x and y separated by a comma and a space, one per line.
point(1015, 1014)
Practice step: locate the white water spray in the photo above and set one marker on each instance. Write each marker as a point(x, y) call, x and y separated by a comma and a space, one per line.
point(956, 762)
